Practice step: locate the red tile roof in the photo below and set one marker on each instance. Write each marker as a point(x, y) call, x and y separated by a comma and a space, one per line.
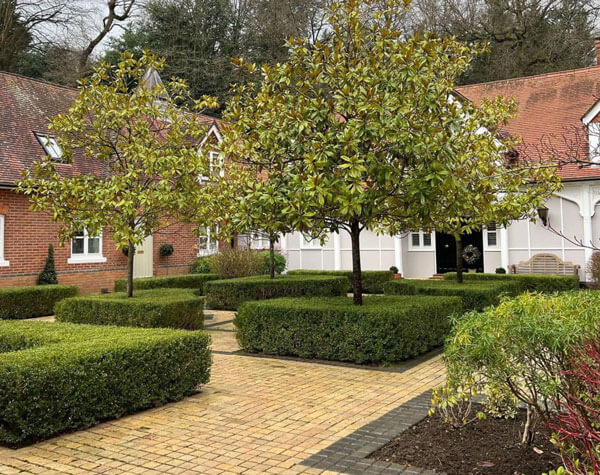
point(25, 107)
point(550, 109)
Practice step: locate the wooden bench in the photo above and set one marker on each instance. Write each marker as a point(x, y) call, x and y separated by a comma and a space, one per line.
point(545, 264)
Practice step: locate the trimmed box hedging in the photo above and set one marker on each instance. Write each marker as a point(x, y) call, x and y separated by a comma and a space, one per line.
point(384, 329)
point(32, 301)
point(184, 281)
point(474, 295)
point(230, 293)
point(58, 377)
point(158, 308)
point(372, 280)
point(527, 282)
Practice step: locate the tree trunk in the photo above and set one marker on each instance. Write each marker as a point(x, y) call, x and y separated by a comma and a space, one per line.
point(272, 257)
point(356, 270)
point(459, 258)
point(528, 433)
point(130, 256)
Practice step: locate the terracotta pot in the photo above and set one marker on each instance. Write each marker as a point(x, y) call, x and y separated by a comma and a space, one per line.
point(397, 276)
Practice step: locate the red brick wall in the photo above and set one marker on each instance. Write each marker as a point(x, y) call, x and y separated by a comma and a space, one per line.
point(185, 249)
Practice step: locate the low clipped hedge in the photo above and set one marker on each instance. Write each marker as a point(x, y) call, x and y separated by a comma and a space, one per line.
point(229, 294)
point(385, 329)
point(372, 280)
point(62, 377)
point(33, 301)
point(526, 282)
point(159, 308)
point(185, 281)
point(474, 295)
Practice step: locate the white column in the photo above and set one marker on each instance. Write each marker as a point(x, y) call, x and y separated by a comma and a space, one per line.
point(398, 254)
point(337, 251)
point(504, 258)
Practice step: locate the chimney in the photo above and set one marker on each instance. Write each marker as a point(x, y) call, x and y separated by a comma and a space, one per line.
point(597, 48)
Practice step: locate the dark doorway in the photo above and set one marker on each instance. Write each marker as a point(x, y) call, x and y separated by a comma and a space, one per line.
point(445, 251)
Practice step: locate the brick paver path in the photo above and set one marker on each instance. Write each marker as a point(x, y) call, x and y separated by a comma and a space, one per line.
point(257, 415)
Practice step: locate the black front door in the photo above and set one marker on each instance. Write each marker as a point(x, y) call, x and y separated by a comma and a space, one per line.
point(445, 251)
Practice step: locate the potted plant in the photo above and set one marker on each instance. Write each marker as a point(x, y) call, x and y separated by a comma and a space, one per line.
point(394, 270)
point(166, 250)
point(471, 255)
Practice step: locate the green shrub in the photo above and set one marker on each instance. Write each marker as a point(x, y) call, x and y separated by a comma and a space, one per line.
point(229, 294)
point(160, 308)
point(233, 263)
point(279, 262)
point(48, 274)
point(34, 301)
point(372, 280)
point(382, 330)
point(62, 377)
point(528, 282)
point(185, 281)
point(201, 265)
point(593, 267)
point(474, 295)
point(500, 270)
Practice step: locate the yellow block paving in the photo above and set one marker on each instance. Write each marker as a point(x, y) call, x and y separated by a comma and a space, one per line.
point(256, 416)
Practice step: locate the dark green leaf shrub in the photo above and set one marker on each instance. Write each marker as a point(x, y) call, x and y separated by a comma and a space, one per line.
point(372, 280)
point(500, 270)
point(33, 301)
point(166, 250)
point(528, 282)
point(160, 308)
point(201, 265)
point(279, 262)
point(383, 330)
point(233, 263)
point(229, 294)
point(184, 281)
point(62, 377)
point(474, 295)
point(48, 274)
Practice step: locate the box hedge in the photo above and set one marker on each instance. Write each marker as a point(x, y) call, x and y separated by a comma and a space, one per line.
point(526, 282)
point(229, 294)
point(158, 308)
point(372, 280)
point(61, 377)
point(185, 281)
point(474, 295)
point(33, 301)
point(384, 329)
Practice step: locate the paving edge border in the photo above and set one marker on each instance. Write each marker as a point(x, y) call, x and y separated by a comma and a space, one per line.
point(348, 455)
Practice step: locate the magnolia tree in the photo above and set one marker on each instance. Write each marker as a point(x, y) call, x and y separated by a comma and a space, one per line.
point(363, 125)
point(145, 136)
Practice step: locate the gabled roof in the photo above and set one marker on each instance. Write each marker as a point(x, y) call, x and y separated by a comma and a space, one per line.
point(26, 105)
point(551, 108)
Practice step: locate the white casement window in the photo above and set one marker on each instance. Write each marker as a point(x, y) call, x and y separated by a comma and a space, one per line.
point(420, 241)
point(86, 249)
point(3, 262)
point(594, 141)
point(50, 146)
point(214, 160)
point(259, 241)
point(306, 242)
point(207, 244)
point(491, 236)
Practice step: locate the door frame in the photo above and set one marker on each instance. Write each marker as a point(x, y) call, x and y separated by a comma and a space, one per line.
point(143, 263)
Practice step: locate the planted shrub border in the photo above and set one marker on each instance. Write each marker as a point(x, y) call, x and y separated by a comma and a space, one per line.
point(185, 281)
point(158, 308)
point(474, 295)
point(526, 282)
point(32, 301)
point(372, 280)
point(79, 375)
point(385, 329)
point(229, 294)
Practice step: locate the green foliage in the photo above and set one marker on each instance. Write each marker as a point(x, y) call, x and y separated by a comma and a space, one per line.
point(372, 280)
point(526, 282)
point(184, 281)
point(61, 377)
point(279, 262)
point(159, 308)
point(593, 267)
point(233, 263)
point(382, 330)
point(201, 265)
point(166, 250)
point(229, 294)
point(474, 295)
point(394, 270)
point(48, 274)
point(34, 301)
point(500, 270)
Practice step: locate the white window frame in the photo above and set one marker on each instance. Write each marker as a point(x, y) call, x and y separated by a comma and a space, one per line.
point(421, 247)
point(486, 245)
point(87, 257)
point(212, 158)
point(50, 146)
point(258, 240)
point(594, 141)
point(3, 263)
point(212, 245)
point(309, 244)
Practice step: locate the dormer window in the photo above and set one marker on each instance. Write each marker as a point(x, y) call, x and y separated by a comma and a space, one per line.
point(50, 146)
point(594, 141)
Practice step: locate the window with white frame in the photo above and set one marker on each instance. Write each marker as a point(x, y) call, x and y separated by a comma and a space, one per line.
point(50, 146)
point(259, 240)
point(214, 161)
point(420, 241)
point(3, 263)
point(86, 248)
point(207, 244)
point(594, 141)
point(491, 236)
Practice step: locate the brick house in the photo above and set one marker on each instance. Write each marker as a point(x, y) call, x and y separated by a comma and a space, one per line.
point(91, 263)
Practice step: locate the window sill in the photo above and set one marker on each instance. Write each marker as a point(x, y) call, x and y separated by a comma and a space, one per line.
point(86, 260)
point(4, 263)
point(425, 249)
point(206, 253)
